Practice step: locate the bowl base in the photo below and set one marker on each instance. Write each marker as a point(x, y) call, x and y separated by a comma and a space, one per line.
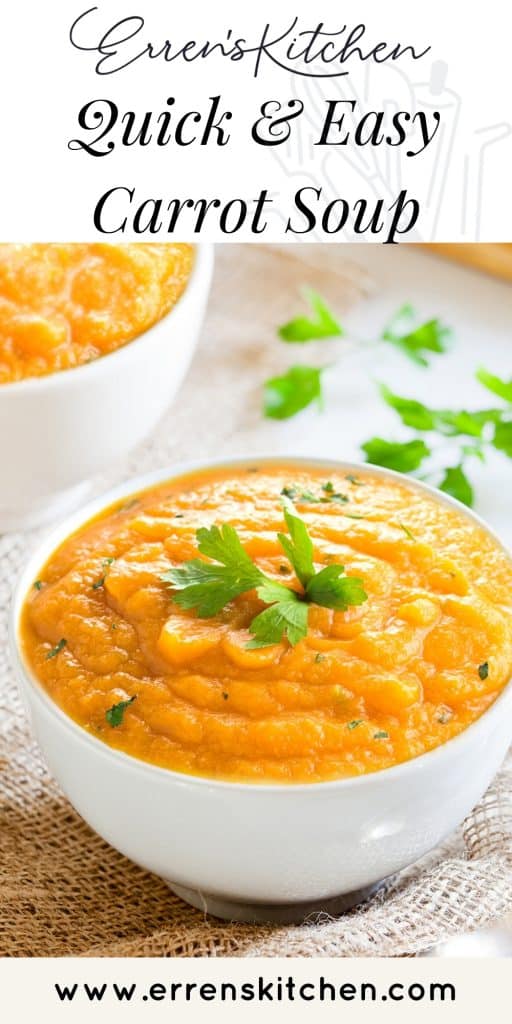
point(274, 913)
point(44, 510)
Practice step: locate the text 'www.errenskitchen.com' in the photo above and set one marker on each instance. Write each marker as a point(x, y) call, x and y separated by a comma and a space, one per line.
point(259, 990)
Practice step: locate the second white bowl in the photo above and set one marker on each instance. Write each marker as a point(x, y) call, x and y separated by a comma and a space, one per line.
point(58, 432)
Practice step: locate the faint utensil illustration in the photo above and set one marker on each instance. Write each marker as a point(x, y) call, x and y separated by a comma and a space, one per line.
point(457, 153)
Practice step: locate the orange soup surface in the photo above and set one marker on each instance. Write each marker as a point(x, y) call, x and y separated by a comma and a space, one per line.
point(382, 682)
point(65, 305)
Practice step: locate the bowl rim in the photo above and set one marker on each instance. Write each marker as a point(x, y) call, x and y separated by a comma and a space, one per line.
point(201, 266)
point(134, 485)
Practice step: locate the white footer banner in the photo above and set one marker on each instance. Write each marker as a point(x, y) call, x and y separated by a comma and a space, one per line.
point(232, 989)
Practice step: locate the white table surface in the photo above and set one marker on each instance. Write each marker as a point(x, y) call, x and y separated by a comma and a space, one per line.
point(479, 309)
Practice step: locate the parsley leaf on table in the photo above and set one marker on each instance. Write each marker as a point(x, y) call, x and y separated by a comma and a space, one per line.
point(456, 483)
point(412, 413)
point(502, 439)
point(475, 450)
point(482, 427)
point(446, 421)
point(208, 586)
point(287, 394)
point(414, 342)
point(322, 324)
point(497, 385)
point(403, 456)
point(464, 422)
point(293, 391)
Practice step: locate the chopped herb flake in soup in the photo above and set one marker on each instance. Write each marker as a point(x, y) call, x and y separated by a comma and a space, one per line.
point(63, 305)
point(366, 688)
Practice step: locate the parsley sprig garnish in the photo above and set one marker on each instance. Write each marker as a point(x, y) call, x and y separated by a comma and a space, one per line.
point(208, 586)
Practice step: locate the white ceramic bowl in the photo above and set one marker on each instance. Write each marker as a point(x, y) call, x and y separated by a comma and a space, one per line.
point(261, 852)
point(60, 431)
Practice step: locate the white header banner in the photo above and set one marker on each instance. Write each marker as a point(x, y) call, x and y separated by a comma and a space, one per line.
point(270, 122)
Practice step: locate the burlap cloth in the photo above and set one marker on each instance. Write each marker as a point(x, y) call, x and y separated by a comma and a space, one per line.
point(63, 891)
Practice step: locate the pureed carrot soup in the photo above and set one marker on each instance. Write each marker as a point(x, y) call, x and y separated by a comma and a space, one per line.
point(422, 649)
point(65, 305)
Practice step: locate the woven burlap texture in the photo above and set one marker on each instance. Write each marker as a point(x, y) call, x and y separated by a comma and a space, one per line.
point(63, 891)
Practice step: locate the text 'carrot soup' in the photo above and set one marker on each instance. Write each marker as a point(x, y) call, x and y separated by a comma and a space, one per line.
point(274, 623)
point(63, 305)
